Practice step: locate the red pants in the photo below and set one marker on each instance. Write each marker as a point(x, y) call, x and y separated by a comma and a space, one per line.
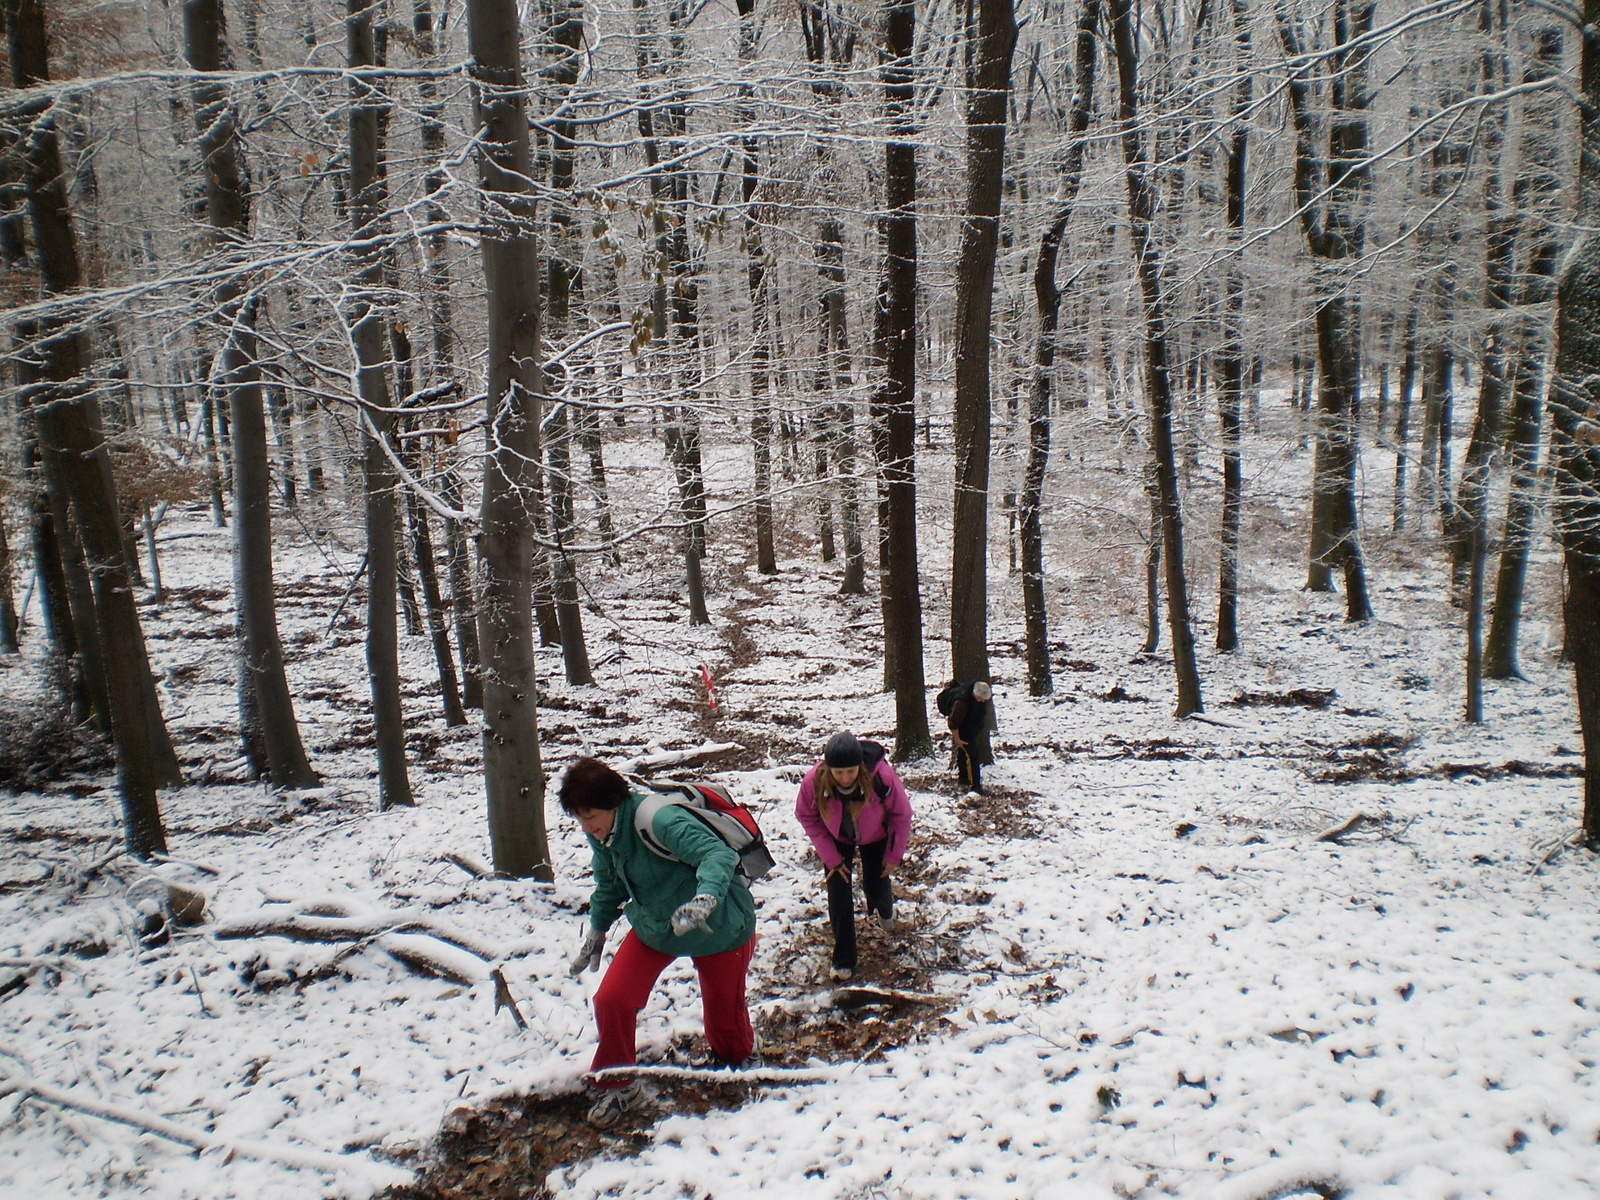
point(626, 988)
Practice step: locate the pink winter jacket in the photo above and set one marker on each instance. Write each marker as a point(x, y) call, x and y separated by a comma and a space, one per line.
point(888, 815)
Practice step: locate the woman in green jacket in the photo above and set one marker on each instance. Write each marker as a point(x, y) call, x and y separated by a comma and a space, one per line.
point(693, 903)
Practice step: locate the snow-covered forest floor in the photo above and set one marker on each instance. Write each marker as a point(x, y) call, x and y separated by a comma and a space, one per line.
point(1141, 972)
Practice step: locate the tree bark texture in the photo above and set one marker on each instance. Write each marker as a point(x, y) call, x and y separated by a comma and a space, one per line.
point(1047, 298)
point(1575, 421)
point(988, 99)
point(1231, 361)
point(67, 421)
point(1535, 200)
point(513, 775)
point(1328, 192)
point(1158, 371)
point(367, 202)
point(238, 374)
point(760, 351)
point(896, 400)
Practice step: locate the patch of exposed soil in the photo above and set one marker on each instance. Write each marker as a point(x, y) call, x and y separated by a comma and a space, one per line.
point(507, 1149)
point(1294, 698)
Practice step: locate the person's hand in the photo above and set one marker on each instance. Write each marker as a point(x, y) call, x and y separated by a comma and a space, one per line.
point(692, 914)
point(955, 736)
point(842, 871)
point(594, 942)
point(887, 872)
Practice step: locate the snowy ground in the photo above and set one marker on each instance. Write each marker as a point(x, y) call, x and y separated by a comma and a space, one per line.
point(1158, 980)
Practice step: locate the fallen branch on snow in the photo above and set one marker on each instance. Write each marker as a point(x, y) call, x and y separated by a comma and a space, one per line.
point(675, 758)
point(718, 1074)
point(414, 936)
point(1349, 824)
point(377, 1174)
point(347, 926)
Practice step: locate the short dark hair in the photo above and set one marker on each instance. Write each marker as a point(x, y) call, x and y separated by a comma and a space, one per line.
point(590, 784)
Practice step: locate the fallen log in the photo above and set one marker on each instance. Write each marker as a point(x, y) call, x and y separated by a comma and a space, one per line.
point(378, 1175)
point(676, 758)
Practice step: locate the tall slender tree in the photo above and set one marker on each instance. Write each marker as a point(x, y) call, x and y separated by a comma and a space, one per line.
point(1231, 361)
point(895, 403)
point(267, 708)
point(988, 100)
point(1575, 420)
point(1047, 296)
point(513, 775)
point(1158, 355)
point(1328, 190)
point(368, 199)
point(67, 420)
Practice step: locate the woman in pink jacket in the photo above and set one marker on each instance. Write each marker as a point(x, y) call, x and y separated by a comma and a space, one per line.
point(853, 801)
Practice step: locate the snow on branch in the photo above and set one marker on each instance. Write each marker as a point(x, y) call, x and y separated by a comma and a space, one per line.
point(377, 1175)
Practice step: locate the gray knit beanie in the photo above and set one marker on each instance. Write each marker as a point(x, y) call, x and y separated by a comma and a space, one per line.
point(843, 750)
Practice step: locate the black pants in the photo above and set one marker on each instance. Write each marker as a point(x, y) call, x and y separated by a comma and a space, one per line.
point(841, 897)
point(969, 771)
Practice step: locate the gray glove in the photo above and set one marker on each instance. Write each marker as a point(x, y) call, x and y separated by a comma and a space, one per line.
point(692, 914)
point(594, 942)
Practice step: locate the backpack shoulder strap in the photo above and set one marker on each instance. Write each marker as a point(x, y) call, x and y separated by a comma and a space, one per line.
point(644, 820)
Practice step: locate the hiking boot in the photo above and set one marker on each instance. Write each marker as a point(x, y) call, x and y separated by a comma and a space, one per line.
point(840, 973)
point(751, 1061)
point(613, 1104)
point(892, 927)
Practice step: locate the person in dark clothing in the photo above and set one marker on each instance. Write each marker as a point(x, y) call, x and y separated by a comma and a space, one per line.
point(852, 801)
point(971, 716)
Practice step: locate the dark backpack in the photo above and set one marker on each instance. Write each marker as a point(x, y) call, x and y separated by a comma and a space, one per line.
point(873, 753)
point(951, 694)
point(717, 810)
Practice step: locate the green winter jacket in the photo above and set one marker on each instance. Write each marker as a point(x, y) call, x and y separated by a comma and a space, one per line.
point(631, 878)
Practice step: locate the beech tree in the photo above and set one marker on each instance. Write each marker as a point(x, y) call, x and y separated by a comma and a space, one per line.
point(988, 99)
point(66, 416)
point(268, 725)
point(513, 775)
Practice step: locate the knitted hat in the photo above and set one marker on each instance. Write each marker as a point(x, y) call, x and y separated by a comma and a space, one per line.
point(981, 692)
point(842, 750)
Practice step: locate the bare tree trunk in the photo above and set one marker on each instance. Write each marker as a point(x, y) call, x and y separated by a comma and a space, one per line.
point(1535, 196)
point(513, 775)
point(563, 42)
point(1402, 419)
point(428, 574)
point(574, 651)
point(9, 624)
point(896, 400)
point(756, 272)
point(1231, 362)
point(58, 558)
point(441, 315)
point(1047, 296)
point(988, 98)
point(67, 419)
point(367, 202)
point(239, 372)
point(1574, 396)
point(1499, 253)
point(1328, 195)
point(1141, 212)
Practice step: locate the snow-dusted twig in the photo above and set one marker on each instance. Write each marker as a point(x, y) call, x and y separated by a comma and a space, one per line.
point(720, 1074)
point(377, 1174)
